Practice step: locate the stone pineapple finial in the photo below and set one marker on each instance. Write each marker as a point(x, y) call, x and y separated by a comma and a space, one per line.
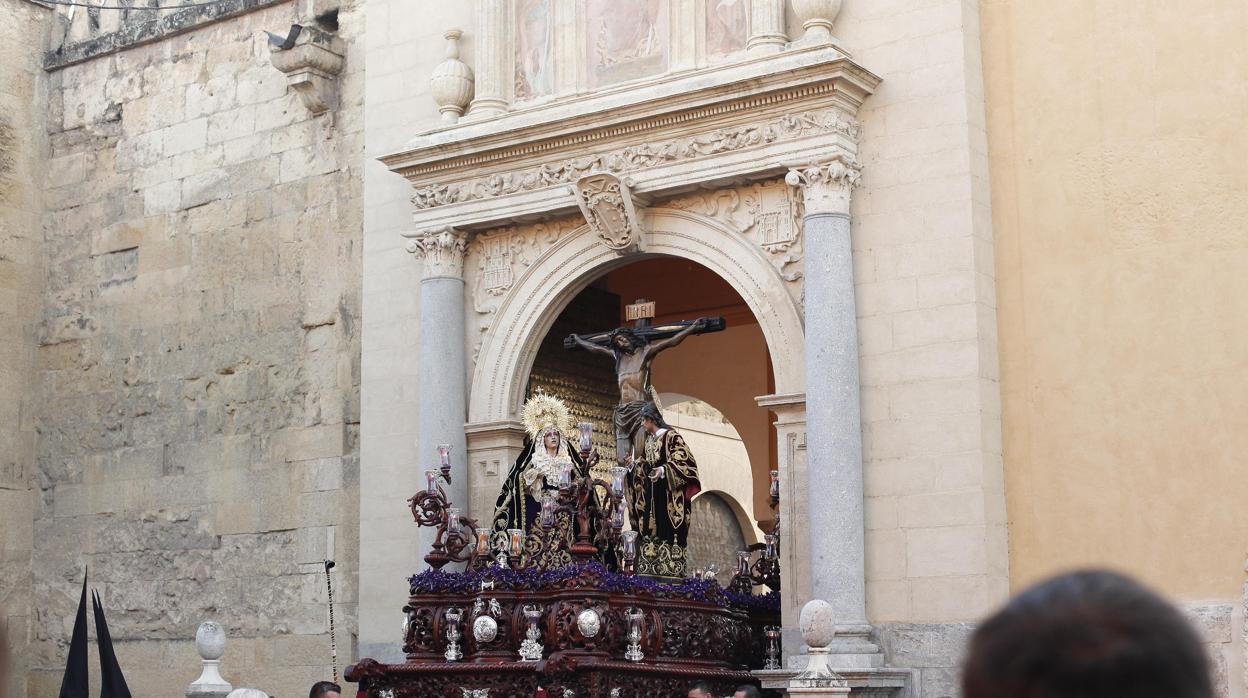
point(817, 17)
point(452, 81)
point(210, 641)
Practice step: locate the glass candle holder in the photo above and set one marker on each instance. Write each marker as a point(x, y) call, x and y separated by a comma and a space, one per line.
point(633, 652)
point(587, 436)
point(775, 485)
point(617, 517)
point(548, 509)
point(444, 456)
point(515, 539)
point(431, 481)
point(452, 519)
point(743, 563)
point(772, 633)
point(617, 480)
point(772, 540)
point(453, 652)
point(565, 476)
point(483, 541)
point(628, 545)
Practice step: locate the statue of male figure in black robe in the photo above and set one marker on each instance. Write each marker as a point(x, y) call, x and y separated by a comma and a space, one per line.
point(662, 485)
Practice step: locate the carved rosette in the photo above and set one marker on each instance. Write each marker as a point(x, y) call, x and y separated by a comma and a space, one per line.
point(826, 188)
point(442, 252)
point(608, 207)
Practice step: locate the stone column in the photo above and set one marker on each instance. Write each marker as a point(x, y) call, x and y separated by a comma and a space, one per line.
point(442, 361)
point(494, 54)
point(833, 414)
point(767, 33)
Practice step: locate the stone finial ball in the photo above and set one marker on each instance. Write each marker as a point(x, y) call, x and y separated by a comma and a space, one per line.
point(210, 640)
point(817, 623)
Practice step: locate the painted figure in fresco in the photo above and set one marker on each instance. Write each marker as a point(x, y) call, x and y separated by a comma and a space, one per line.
point(662, 484)
point(725, 26)
point(533, 43)
point(633, 352)
point(548, 450)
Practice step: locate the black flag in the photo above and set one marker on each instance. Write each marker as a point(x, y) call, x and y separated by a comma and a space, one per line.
point(112, 684)
point(74, 685)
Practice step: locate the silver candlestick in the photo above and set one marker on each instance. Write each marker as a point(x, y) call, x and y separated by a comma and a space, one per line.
point(530, 648)
point(634, 653)
point(453, 653)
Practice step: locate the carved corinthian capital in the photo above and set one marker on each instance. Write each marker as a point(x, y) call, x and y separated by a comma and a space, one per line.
point(442, 251)
point(826, 187)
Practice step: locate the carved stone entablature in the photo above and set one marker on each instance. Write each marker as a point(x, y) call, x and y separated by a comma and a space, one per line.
point(607, 205)
point(442, 251)
point(724, 125)
point(826, 187)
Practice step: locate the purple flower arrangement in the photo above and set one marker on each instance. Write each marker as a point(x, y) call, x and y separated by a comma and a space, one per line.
point(595, 574)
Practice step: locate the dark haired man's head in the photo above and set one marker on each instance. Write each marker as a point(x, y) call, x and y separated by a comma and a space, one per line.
point(325, 689)
point(626, 340)
point(700, 689)
point(1088, 634)
point(747, 691)
point(651, 412)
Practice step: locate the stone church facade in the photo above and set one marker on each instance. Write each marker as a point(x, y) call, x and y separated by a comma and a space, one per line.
point(252, 286)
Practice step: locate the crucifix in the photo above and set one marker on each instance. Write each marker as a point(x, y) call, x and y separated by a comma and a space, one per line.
point(633, 349)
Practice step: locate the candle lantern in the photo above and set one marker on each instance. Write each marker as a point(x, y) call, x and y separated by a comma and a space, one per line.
point(453, 653)
point(452, 519)
point(617, 480)
point(444, 458)
point(587, 436)
point(775, 486)
point(617, 517)
point(771, 540)
point(548, 509)
point(515, 538)
point(431, 481)
point(634, 653)
point(743, 563)
point(772, 633)
point(483, 542)
point(565, 476)
point(530, 648)
point(628, 546)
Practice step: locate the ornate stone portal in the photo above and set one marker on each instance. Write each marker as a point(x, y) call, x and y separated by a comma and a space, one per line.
point(735, 167)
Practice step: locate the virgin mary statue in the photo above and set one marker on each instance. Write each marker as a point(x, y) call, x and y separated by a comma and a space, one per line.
point(548, 451)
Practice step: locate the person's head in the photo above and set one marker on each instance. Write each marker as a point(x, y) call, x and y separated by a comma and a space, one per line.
point(325, 689)
point(1084, 635)
point(652, 419)
point(746, 691)
point(550, 439)
point(700, 689)
point(626, 340)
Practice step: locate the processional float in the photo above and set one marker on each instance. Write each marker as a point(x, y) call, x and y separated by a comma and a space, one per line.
point(506, 626)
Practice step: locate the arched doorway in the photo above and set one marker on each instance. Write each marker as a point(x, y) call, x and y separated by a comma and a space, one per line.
point(699, 244)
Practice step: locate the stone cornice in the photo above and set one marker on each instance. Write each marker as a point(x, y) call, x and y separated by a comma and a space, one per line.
point(741, 121)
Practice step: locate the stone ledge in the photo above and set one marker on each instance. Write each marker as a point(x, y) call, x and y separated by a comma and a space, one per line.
point(160, 25)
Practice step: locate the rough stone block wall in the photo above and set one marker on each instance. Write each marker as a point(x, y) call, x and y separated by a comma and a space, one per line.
point(198, 358)
point(23, 29)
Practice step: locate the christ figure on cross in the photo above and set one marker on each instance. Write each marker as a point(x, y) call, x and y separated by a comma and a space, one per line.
point(633, 349)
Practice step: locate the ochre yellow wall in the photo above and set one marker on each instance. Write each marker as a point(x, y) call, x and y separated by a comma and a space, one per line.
point(1118, 135)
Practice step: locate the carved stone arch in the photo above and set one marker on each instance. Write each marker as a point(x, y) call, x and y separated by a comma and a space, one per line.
point(549, 284)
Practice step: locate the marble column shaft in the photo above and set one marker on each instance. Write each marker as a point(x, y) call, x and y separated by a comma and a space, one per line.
point(833, 413)
point(492, 59)
point(442, 362)
point(767, 33)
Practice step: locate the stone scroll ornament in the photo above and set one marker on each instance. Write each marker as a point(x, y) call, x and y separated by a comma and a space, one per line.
point(607, 204)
